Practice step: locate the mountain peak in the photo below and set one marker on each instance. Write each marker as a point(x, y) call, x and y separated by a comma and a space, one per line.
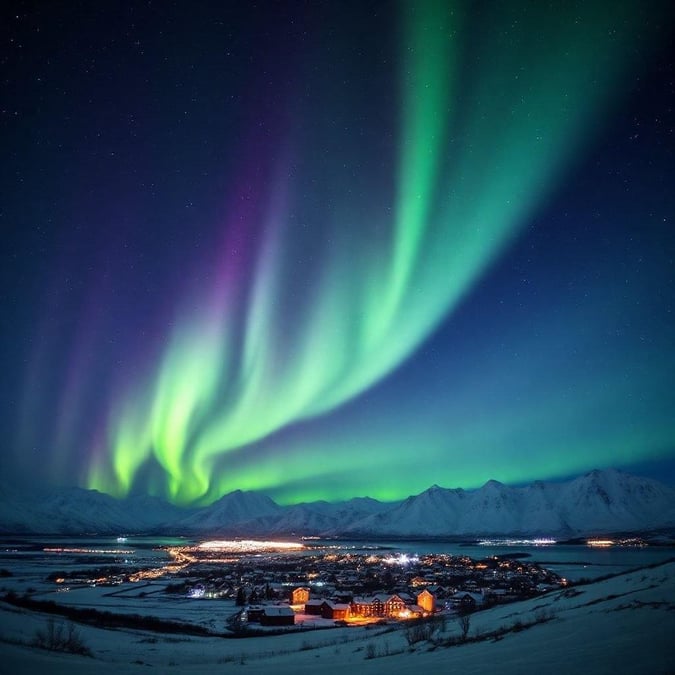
point(494, 484)
point(605, 473)
point(599, 501)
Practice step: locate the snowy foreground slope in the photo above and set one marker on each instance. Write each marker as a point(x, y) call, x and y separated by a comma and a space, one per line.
point(597, 502)
point(621, 625)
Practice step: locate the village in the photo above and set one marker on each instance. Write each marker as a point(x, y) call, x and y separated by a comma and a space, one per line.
point(350, 588)
point(277, 585)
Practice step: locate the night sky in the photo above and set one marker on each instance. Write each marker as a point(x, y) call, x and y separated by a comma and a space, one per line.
point(328, 249)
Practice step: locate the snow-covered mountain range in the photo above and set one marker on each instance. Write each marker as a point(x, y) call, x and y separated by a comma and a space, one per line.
point(597, 502)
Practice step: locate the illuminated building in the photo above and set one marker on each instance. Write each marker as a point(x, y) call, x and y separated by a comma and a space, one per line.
point(378, 605)
point(427, 601)
point(299, 596)
point(335, 610)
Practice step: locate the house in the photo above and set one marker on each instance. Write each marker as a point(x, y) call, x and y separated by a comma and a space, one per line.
point(427, 601)
point(314, 607)
point(437, 590)
point(492, 596)
point(254, 613)
point(378, 605)
point(465, 602)
point(335, 610)
point(299, 596)
point(414, 612)
point(393, 605)
point(364, 607)
point(277, 616)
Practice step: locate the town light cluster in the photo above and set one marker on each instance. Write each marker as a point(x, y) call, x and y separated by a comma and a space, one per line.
point(88, 551)
point(401, 559)
point(606, 543)
point(249, 546)
point(541, 541)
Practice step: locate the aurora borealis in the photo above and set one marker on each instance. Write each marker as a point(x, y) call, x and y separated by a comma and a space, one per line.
point(332, 249)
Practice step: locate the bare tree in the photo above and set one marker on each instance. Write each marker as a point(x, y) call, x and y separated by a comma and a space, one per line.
point(464, 622)
point(418, 631)
point(60, 638)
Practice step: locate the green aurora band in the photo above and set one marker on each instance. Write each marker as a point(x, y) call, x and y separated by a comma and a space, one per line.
point(486, 130)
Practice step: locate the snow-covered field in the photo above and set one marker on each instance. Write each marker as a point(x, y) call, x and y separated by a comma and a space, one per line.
point(621, 625)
